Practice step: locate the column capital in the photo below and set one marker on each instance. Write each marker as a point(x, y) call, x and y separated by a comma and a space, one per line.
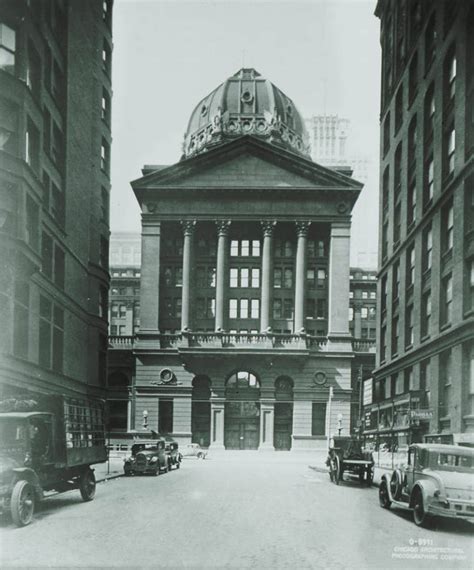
point(222, 227)
point(188, 226)
point(302, 228)
point(268, 227)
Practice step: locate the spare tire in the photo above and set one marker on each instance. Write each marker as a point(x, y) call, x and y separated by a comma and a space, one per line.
point(396, 483)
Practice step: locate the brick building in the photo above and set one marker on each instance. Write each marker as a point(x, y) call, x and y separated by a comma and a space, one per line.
point(55, 105)
point(244, 282)
point(424, 380)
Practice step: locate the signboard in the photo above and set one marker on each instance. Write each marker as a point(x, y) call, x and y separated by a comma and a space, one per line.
point(367, 420)
point(421, 414)
point(368, 392)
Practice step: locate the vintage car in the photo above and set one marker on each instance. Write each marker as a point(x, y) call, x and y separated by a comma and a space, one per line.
point(438, 480)
point(147, 458)
point(345, 455)
point(173, 455)
point(193, 450)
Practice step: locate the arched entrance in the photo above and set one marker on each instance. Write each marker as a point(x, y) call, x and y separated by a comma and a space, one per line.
point(242, 411)
point(283, 421)
point(201, 411)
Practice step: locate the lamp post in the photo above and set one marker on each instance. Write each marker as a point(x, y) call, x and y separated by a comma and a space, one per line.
point(339, 423)
point(145, 419)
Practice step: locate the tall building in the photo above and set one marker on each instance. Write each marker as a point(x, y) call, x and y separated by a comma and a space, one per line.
point(244, 295)
point(55, 106)
point(424, 380)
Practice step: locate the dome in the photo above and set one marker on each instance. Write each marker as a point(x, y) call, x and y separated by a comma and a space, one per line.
point(245, 104)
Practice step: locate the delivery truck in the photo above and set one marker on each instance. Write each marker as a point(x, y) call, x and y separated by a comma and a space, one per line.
point(48, 444)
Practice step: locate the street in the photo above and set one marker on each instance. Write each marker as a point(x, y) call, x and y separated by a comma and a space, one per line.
point(234, 510)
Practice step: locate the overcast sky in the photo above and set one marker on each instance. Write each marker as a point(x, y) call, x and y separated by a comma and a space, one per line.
point(324, 54)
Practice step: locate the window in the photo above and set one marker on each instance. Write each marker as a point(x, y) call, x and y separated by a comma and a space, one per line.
point(373, 295)
point(21, 319)
point(446, 299)
point(321, 278)
point(57, 147)
point(318, 418)
point(429, 111)
point(409, 338)
point(411, 205)
point(399, 108)
point(33, 71)
point(178, 277)
point(450, 75)
point(385, 239)
point(104, 205)
point(447, 221)
point(107, 12)
point(425, 314)
point(32, 145)
point(255, 248)
point(103, 302)
point(245, 248)
point(287, 308)
point(398, 171)
point(234, 277)
point(51, 335)
point(255, 308)
point(244, 309)
point(383, 343)
point(365, 295)
point(233, 308)
point(351, 313)
point(106, 58)
point(413, 78)
point(32, 223)
point(104, 252)
point(234, 248)
point(277, 309)
point(255, 279)
point(410, 266)
point(287, 249)
point(386, 189)
point(105, 157)
point(7, 48)
point(310, 308)
point(105, 106)
point(57, 204)
point(395, 335)
point(430, 42)
point(59, 267)
point(321, 251)
point(450, 147)
point(165, 416)
point(396, 281)
point(321, 309)
point(244, 277)
point(429, 182)
point(427, 248)
point(412, 142)
point(351, 294)
point(397, 224)
point(425, 379)
point(445, 382)
point(47, 255)
point(288, 278)
point(469, 367)
point(364, 313)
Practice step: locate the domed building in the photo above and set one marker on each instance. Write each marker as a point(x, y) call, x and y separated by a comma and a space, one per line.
point(244, 334)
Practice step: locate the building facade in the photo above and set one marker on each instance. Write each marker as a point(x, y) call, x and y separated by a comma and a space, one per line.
point(55, 106)
point(244, 282)
point(424, 380)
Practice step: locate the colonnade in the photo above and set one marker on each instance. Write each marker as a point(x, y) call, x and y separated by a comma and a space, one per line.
point(338, 276)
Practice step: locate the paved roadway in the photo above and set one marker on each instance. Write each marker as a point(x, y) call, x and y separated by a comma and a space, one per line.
point(240, 510)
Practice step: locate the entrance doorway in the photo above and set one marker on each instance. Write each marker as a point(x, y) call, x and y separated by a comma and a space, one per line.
point(242, 412)
point(283, 422)
point(201, 411)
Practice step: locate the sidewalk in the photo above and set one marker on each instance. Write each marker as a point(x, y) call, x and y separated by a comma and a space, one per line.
point(109, 470)
point(319, 465)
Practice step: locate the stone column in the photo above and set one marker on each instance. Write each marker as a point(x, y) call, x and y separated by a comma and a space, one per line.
point(217, 424)
point(339, 280)
point(222, 245)
point(267, 419)
point(357, 320)
point(150, 280)
point(188, 230)
point(302, 232)
point(266, 282)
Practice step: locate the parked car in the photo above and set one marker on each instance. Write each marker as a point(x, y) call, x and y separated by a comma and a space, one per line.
point(193, 450)
point(148, 457)
point(174, 456)
point(46, 445)
point(438, 480)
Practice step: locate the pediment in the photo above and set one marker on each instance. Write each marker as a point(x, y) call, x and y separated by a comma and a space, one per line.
point(248, 164)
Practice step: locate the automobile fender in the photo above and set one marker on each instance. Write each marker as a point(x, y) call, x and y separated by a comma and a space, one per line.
point(29, 475)
point(427, 489)
point(386, 478)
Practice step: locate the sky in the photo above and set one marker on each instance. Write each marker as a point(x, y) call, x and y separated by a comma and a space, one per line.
point(169, 54)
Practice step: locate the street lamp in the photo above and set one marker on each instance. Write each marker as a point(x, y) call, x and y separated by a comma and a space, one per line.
point(339, 423)
point(145, 419)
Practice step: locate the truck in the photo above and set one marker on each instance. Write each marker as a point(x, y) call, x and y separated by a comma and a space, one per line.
point(48, 444)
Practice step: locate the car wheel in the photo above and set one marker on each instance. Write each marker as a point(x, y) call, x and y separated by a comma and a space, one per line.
point(87, 485)
point(370, 476)
point(396, 484)
point(384, 499)
point(22, 503)
point(420, 516)
point(199, 455)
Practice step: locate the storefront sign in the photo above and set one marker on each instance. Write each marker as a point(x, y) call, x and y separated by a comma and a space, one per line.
point(421, 414)
point(367, 392)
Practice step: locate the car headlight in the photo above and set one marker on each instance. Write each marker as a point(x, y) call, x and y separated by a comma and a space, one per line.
point(153, 459)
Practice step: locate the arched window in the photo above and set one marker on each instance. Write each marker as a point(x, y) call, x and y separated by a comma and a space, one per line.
point(243, 380)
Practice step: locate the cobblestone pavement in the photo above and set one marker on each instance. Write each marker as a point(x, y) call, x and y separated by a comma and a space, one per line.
point(237, 510)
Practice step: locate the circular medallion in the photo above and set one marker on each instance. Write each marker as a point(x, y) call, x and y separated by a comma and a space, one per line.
point(166, 375)
point(246, 97)
point(342, 207)
point(319, 378)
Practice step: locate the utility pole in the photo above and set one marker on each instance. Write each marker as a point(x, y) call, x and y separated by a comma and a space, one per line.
point(328, 416)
